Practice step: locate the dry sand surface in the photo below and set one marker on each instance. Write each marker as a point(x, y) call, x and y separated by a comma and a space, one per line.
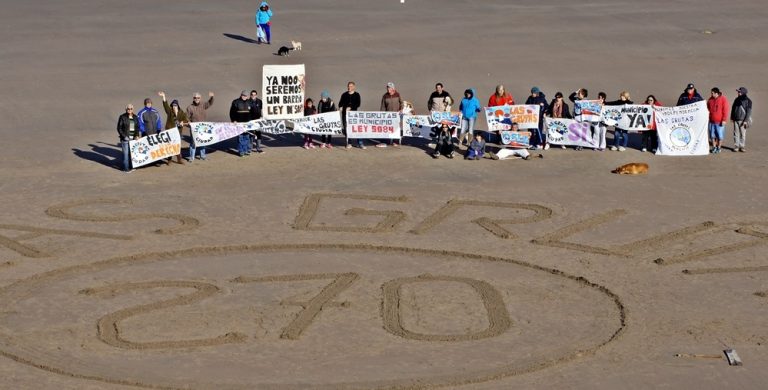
point(382, 268)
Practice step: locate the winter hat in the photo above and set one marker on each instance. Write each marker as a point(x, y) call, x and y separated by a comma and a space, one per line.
point(175, 103)
point(391, 85)
point(743, 90)
point(243, 93)
point(690, 86)
point(325, 94)
point(535, 90)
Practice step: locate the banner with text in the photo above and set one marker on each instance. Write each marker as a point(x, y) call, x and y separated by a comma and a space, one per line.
point(420, 126)
point(151, 148)
point(283, 91)
point(587, 110)
point(632, 117)
point(683, 130)
point(451, 118)
point(209, 133)
point(516, 139)
point(266, 126)
point(502, 117)
point(320, 124)
point(571, 132)
point(373, 124)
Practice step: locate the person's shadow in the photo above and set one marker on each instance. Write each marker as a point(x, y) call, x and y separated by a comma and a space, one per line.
point(109, 155)
point(241, 38)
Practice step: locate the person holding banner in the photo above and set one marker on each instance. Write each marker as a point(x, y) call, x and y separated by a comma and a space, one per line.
point(538, 98)
point(240, 112)
point(469, 108)
point(350, 101)
point(600, 127)
point(440, 100)
point(508, 152)
point(326, 104)
point(127, 129)
point(620, 136)
point(309, 109)
point(175, 118)
point(741, 115)
point(264, 22)
point(255, 103)
point(690, 95)
point(559, 109)
point(579, 94)
point(651, 136)
point(718, 115)
point(198, 112)
point(501, 98)
point(391, 102)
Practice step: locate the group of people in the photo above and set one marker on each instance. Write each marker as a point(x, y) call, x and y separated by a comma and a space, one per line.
point(448, 139)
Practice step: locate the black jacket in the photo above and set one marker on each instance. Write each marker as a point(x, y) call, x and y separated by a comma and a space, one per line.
point(124, 127)
point(240, 111)
point(256, 106)
point(742, 109)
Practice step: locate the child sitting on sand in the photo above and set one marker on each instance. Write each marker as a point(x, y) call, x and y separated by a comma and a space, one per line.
point(476, 148)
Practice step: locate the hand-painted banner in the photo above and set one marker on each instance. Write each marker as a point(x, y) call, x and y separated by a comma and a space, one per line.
point(518, 139)
point(571, 132)
point(151, 148)
point(209, 133)
point(320, 124)
point(266, 126)
point(587, 110)
point(451, 118)
point(502, 117)
point(283, 89)
point(373, 124)
point(420, 126)
point(683, 130)
point(632, 117)
point(636, 117)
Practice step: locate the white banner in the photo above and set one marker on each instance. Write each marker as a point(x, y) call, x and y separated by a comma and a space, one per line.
point(421, 126)
point(266, 126)
point(451, 118)
point(373, 124)
point(683, 130)
point(632, 117)
point(151, 148)
point(502, 117)
point(571, 132)
point(636, 117)
point(209, 133)
point(283, 91)
point(587, 110)
point(320, 124)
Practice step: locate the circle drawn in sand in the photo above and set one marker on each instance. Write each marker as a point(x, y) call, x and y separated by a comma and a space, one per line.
point(305, 316)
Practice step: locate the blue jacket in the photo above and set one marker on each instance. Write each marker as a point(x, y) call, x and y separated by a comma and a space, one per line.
point(146, 114)
point(469, 107)
point(263, 17)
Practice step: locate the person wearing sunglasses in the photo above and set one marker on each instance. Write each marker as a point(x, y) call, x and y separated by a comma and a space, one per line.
point(127, 129)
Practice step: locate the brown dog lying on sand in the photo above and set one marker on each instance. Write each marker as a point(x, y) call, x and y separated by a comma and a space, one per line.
point(632, 169)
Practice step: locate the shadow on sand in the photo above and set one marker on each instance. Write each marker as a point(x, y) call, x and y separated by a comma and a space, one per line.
point(240, 38)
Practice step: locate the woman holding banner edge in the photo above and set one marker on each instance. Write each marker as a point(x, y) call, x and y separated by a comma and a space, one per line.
point(620, 136)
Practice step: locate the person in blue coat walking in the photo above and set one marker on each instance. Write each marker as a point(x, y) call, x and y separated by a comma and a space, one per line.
point(264, 21)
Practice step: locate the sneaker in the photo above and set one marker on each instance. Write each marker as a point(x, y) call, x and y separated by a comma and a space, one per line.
point(546, 147)
point(621, 148)
point(539, 147)
point(613, 148)
point(260, 150)
point(643, 150)
point(527, 157)
point(493, 155)
point(381, 145)
point(329, 146)
point(735, 149)
point(363, 147)
point(311, 146)
point(435, 155)
point(743, 150)
point(579, 148)
point(349, 146)
point(562, 146)
point(655, 150)
point(396, 144)
point(306, 146)
point(450, 155)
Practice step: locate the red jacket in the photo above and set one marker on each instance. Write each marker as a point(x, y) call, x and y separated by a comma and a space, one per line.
point(501, 100)
point(718, 109)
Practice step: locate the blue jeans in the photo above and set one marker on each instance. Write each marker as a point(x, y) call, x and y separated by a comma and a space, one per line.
point(192, 149)
point(716, 131)
point(472, 153)
point(467, 125)
point(244, 144)
point(267, 32)
point(126, 155)
point(620, 138)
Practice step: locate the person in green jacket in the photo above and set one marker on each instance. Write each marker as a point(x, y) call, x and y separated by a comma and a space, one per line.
point(176, 117)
